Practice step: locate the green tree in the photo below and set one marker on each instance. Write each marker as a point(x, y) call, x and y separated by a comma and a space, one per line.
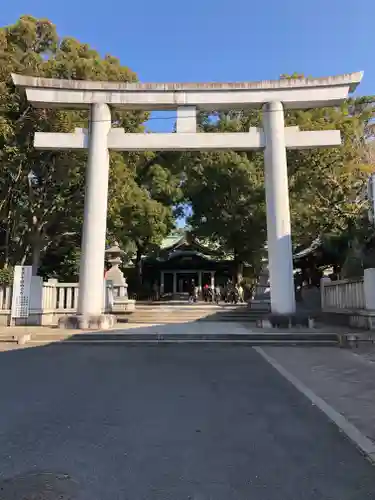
point(325, 185)
point(141, 210)
point(41, 192)
point(226, 194)
point(227, 198)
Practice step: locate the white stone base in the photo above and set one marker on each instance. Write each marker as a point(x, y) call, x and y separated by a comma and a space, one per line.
point(79, 322)
point(123, 305)
point(286, 321)
point(22, 339)
point(362, 319)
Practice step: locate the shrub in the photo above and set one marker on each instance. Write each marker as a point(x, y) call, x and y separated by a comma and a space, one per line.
point(6, 276)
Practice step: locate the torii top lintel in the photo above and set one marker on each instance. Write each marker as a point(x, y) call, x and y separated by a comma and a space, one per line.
point(296, 93)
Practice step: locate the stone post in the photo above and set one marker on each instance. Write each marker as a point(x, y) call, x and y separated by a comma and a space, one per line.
point(108, 298)
point(323, 281)
point(369, 288)
point(174, 283)
point(278, 216)
point(36, 301)
point(90, 301)
point(186, 119)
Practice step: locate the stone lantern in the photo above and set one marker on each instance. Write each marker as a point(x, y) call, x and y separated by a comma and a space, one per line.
point(114, 274)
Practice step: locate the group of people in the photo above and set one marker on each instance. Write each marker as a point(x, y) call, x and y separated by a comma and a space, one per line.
point(229, 293)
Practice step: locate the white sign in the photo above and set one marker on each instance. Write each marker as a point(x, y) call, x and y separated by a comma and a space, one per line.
point(21, 291)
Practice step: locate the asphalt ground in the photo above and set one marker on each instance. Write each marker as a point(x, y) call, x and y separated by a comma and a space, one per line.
point(166, 422)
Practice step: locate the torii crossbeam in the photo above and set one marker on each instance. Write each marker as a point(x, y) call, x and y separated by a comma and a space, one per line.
point(187, 99)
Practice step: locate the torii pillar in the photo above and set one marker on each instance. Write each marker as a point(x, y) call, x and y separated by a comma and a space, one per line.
point(272, 96)
point(279, 241)
point(90, 298)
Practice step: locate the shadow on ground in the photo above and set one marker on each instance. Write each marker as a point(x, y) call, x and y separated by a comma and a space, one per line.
point(168, 422)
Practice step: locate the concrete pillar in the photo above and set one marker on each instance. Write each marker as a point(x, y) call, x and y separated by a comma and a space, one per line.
point(278, 213)
point(162, 282)
point(90, 302)
point(174, 283)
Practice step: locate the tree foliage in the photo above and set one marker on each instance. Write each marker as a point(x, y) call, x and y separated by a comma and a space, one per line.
point(326, 186)
point(227, 199)
point(41, 192)
point(141, 212)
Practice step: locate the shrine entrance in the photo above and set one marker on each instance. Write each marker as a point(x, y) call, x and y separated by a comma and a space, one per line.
point(273, 97)
point(179, 282)
point(184, 281)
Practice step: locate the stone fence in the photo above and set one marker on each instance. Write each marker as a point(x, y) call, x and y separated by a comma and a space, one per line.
point(55, 300)
point(343, 295)
point(352, 301)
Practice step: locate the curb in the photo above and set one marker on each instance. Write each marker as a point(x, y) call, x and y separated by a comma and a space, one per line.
point(250, 343)
point(362, 442)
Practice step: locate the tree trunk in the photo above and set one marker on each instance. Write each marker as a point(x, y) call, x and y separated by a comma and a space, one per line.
point(7, 236)
point(25, 255)
point(6, 244)
point(37, 245)
point(138, 266)
point(36, 252)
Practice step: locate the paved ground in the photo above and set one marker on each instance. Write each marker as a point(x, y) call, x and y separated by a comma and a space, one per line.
point(172, 422)
point(344, 378)
point(367, 352)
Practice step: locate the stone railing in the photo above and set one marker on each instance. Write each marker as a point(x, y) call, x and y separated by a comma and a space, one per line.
point(58, 299)
point(5, 298)
point(5, 304)
point(350, 301)
point(63, 297)
point(343, 295)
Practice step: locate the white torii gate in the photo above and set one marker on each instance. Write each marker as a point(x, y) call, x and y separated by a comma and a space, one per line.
point(187, 98)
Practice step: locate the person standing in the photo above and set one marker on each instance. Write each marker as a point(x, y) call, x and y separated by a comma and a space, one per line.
point(240, 293)
point(196, 293)
point(155, 288)
point(191, 291)
point(205, 292)
point(217, 294)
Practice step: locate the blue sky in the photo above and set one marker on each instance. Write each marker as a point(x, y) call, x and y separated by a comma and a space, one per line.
point(218, 40)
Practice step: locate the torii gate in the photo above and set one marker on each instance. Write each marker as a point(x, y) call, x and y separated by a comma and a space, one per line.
point(187, 98)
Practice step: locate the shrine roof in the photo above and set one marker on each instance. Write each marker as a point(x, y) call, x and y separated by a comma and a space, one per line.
point(315, 245)
point(180, 243)
point(173, 239)
point(186, 241)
